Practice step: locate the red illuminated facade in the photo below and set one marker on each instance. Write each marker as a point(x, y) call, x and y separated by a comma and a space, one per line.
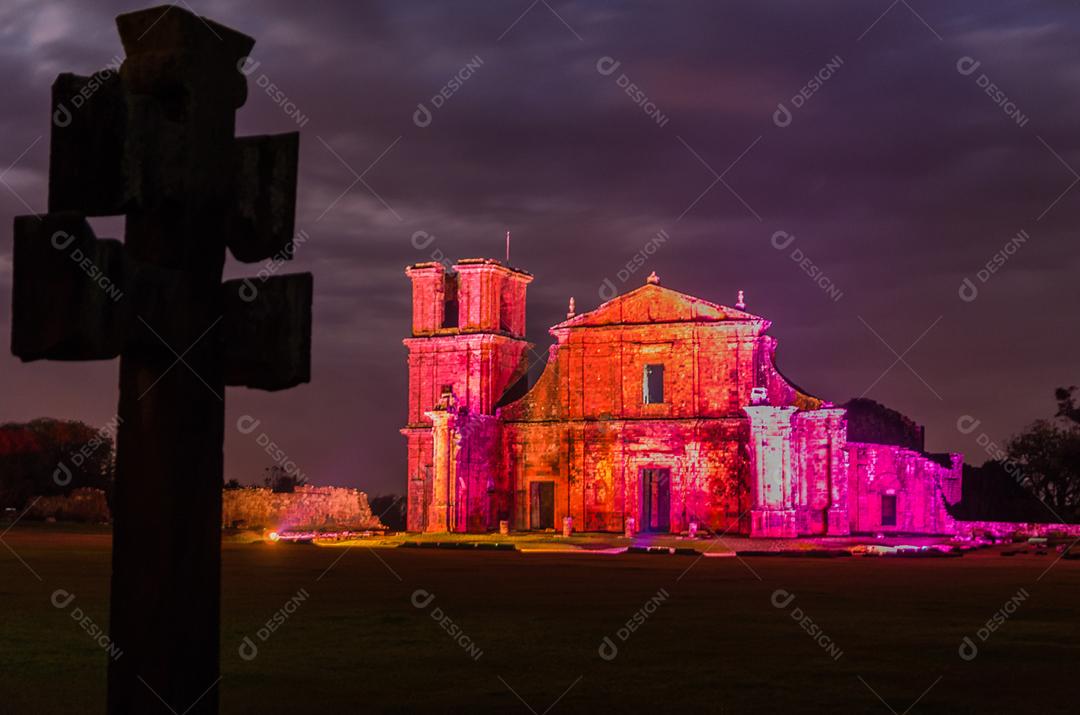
point(656, 412)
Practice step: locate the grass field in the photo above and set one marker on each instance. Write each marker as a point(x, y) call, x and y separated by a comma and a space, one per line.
point(714, 643)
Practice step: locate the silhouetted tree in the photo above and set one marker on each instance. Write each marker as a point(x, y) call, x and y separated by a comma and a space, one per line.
point(993, 492)
point(1068, 403)
point(50, 457)
point(390, 510)
point(282, 481)
point(1048, 456)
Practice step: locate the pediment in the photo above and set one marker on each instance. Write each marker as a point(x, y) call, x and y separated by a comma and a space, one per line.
point(653, 303)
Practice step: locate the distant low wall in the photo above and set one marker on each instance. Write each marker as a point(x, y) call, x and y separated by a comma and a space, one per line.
point(306, 508)
point(1007, 528)
point(83, 504)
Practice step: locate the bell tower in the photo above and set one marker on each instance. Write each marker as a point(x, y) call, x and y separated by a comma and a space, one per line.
point(466, 351)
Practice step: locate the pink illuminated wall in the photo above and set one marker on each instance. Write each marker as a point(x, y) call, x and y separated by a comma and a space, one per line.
point(737, 447)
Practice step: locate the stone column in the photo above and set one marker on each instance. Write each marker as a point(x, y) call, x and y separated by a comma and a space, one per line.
point(773, 489)
point(819, 471)
point(442, 472)
point(838, 522)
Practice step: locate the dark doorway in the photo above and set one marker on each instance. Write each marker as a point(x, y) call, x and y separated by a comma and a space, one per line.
point(542, 505)
point(888, 510)
point(656, 500)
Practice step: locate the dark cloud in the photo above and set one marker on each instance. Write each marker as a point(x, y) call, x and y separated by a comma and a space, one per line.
point(899, 177)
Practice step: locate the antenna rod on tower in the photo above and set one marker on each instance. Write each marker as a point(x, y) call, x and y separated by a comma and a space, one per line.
point(507, 249)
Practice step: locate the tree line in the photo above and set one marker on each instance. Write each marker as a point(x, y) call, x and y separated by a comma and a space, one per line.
point(48, 457)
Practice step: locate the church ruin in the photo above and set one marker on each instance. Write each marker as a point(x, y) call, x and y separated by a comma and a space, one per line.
point(656, 412)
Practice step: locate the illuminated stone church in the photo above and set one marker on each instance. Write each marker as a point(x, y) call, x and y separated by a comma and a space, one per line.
point(655, 412)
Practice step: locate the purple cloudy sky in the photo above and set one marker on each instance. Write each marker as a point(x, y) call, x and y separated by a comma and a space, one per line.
point(899, 177)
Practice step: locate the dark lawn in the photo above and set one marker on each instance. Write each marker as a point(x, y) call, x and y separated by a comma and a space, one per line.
point(357, 644)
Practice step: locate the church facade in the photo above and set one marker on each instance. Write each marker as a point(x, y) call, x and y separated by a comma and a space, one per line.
point(655, 412)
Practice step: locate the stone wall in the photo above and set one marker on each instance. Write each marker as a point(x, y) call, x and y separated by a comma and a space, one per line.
point(919, 487)
point(874, 423)
point(308, 507)
point(596, 466)
point(1002, 529)
point(83, 504)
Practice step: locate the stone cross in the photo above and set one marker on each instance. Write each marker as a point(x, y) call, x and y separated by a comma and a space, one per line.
point(156, 144)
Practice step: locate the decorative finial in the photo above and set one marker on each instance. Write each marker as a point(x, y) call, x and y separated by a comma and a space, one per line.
point(508, 249)
point(653, 279)
point(571, 312)
point(741, 302)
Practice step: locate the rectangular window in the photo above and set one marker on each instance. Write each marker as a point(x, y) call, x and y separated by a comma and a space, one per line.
point(450, 316)
point(653, 385)
point(450, 301)
point(888, 510)
point(506, 307)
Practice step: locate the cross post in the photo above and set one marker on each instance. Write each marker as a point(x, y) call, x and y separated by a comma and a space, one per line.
point(156, 143)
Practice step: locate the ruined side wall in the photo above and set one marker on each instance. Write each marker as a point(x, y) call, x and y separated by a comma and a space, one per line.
point(782, 392)
point(1002, 529)
point(921, 487)
point(254, 507)
point(306, 508)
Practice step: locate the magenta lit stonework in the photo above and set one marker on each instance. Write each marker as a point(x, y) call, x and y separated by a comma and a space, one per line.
point(657, 407)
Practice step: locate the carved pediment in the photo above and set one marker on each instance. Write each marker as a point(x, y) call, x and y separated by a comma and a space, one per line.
point(652, 303)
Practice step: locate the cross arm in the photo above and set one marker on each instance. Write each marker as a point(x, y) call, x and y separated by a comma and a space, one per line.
point(68, 299)
point(87, 171)
point(262, 222)
point(267, 329)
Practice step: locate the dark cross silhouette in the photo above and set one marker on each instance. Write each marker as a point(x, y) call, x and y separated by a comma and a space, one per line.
point(156, 143)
